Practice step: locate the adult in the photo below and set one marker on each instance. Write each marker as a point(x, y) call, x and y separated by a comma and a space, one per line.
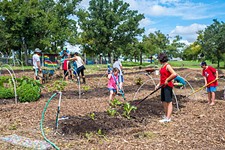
point(167, 74)
point(80, 65)
point(118, 64)
point(63, 55)
point(210, 74)
point(36, 63)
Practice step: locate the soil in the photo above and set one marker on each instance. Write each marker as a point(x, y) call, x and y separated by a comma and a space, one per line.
point(194, 125)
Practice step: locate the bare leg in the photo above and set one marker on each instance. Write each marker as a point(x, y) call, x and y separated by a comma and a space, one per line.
point(213, 95)
point(209, 97)
point(169, 110)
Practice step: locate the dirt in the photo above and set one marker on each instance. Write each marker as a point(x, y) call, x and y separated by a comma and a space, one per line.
point(195, 124)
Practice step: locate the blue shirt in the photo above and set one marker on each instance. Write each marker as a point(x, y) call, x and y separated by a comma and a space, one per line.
point(64, 57)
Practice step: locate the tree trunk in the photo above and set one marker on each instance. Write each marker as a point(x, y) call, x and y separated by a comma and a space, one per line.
point(109, 57)
point(141, 57)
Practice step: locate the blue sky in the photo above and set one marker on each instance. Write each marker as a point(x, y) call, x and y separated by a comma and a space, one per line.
point(177, 17)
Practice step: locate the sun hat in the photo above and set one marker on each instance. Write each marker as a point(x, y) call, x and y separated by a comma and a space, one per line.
point(64, 48)
point(37, 50)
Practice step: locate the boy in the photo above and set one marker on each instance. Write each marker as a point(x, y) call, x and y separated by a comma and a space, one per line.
point(210, 74)
point(179, 82)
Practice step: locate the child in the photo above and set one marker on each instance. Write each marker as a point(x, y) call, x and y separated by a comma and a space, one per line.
point(113, 79)
point(66, 68)
point(210, 74)
point(179, 82)
point(167, 74)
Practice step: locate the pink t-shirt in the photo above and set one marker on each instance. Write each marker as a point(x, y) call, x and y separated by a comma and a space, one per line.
point(112, 82)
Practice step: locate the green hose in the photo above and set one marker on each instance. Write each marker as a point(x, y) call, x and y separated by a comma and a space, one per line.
point(42, 119)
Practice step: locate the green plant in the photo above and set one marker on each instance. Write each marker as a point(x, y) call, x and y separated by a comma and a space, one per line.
point(28, 93)
point(114, 103)
point(138, 81)
point(88, 135)
point(127, 108)
point(86, 87)
point(92, 115)
point(57, 86)
point(111, 112)
point(6, 93)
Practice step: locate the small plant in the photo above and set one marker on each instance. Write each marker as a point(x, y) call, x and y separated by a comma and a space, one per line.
point(127, 108)
point(86, 87)
point(111, 112)
point(100, 132)
point(138, 81)
point(57, 86)
point(88, 135)
point(114, 103)
point(92, 115)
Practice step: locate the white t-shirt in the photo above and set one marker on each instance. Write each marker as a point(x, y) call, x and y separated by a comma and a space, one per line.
point(117, 64)
point(36, 58)
point(79, 61)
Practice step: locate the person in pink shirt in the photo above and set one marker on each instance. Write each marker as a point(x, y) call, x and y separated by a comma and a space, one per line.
point(112, 83)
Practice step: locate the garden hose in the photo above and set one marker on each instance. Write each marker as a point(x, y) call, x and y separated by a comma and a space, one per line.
point(42, 119)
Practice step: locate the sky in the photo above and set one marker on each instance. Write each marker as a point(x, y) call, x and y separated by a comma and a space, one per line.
point(176, 17)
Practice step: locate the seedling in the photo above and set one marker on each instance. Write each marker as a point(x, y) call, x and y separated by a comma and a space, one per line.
point(58, 86)
point(138, 81)
point(92, 115)
point(127, 108)
point(86, 87)
point(111, 112)
point(114, 103)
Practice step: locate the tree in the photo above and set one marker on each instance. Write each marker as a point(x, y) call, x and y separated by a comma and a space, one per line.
point(108, 26)
point(37, 23)
point(213, 41)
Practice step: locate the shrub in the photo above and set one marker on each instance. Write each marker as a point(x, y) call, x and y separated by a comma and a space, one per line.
point(6, 93)
point(28, 93)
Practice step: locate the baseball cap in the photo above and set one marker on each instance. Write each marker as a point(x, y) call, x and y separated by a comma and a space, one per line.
point(64, 48)
point(37, 50)
point(203, 64)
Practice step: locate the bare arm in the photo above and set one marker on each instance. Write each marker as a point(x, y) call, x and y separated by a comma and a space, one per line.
point(173, 74)
point(109, 76)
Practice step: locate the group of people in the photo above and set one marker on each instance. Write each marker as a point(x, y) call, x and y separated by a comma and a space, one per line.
point(167, 74)
point(71, 64)
point(168, 77)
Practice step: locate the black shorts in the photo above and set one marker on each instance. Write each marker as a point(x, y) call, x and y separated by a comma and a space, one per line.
point(66, 73)
point(166, 94)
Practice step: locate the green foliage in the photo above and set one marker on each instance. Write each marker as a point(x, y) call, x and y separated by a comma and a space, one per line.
point(92, 115)
point(112, 112)
point(86, 87)
point(6, 92)
point(138, 81)
point(114, 103)
point(28, 92)
point(127, 108)
point(107, 26)
point(57, 86)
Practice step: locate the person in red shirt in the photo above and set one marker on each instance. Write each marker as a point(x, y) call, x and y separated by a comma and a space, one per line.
point(210, 74)
point(167, 74)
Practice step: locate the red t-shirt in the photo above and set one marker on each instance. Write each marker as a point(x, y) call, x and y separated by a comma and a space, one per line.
point(210, 74)
point(65, 65)
point(164, 74)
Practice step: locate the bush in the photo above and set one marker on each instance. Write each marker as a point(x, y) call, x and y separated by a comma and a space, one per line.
point(6, 92)
point(28, 93)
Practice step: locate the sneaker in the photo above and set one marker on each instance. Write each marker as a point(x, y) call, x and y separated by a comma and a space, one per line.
point(165, 120)
point(163, 116)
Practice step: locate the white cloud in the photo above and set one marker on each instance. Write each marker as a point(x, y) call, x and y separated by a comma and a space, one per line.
point(146, 22)
point(189, 33)
point(185, 9)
